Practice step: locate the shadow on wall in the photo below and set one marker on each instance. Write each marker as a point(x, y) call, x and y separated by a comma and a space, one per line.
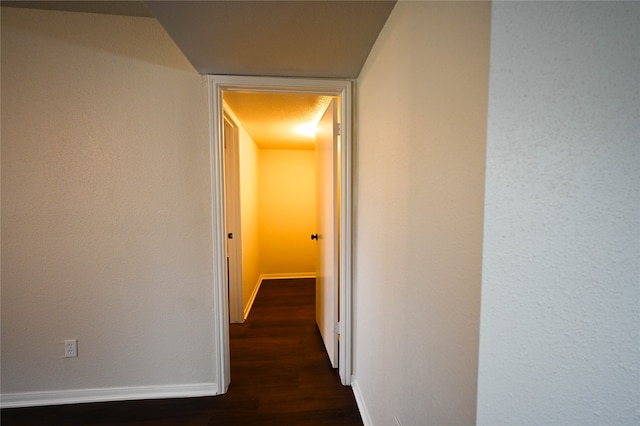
point(130, 36)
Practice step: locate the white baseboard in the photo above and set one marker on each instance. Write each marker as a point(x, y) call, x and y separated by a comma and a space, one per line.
point(357, 393)
point(263, 277)
point(79, 396)
point(288, 275)
point(247, 308)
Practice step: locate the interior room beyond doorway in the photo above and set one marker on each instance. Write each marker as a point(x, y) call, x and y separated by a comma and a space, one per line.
point(275, 176)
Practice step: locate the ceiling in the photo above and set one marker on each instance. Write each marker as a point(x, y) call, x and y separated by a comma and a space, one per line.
point(324, 39)
point(276, 38)
point(278, 120)
point(304, 38)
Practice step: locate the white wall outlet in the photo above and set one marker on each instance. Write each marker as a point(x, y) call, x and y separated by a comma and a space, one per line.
point(71, 348)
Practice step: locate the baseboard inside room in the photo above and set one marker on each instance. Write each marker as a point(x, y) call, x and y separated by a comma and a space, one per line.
point(81, 396)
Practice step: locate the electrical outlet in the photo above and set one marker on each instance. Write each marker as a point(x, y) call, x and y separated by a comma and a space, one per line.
point(71, 348)
point(396, 422)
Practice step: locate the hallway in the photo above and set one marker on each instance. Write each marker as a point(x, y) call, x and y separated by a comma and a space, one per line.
point(280, 374)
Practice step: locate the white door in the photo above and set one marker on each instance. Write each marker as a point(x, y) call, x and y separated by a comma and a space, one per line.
point(232, 202)
point(327, 231)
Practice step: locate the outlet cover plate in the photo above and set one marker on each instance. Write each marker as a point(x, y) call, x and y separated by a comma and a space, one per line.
point(71, 348)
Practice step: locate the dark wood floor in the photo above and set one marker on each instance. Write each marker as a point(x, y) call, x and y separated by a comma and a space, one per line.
point(280, 375)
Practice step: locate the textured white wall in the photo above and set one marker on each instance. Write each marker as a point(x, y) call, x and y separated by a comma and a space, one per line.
point(560, 326)
point(106, 221)
point(422, 103)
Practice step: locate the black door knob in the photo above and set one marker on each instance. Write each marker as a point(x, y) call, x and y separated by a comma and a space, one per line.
point(314, 236)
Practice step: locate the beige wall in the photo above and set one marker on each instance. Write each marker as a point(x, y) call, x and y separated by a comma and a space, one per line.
point(249, 214)
point(422, 110)
point(106, 221)
point(287, 211)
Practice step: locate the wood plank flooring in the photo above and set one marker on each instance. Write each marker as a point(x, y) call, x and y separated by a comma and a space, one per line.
point(280, 375)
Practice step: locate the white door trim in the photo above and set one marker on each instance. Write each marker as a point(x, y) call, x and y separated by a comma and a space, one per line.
point(342, 88)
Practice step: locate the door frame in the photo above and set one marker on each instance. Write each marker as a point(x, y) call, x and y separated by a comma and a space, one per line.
point(343, 89)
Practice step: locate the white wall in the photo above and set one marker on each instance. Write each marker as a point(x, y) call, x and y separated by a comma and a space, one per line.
point(249, 185)
point(560, 339)
point(106, 221)
point(422, 103)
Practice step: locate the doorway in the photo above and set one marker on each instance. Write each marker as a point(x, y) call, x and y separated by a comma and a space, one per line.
point(340, 89)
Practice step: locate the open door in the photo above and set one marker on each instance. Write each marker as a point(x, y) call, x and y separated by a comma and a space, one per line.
point(327, 231)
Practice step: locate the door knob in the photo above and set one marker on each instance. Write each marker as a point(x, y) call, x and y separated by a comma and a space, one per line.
point(314, 236)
